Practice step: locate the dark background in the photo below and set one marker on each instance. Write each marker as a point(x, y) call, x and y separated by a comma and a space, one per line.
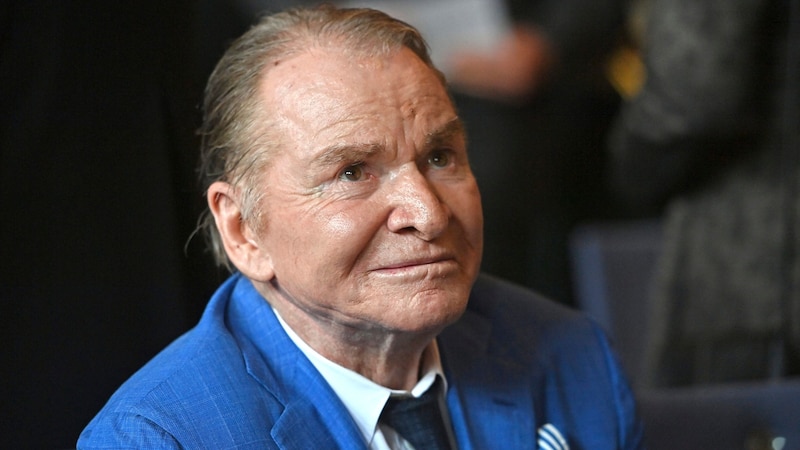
point(98, 112)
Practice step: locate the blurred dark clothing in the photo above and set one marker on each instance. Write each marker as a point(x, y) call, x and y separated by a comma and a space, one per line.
point(713, 136)
point(540, 162)
point(98, 152)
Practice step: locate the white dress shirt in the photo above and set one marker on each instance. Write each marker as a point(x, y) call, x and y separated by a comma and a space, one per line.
point(365, 399)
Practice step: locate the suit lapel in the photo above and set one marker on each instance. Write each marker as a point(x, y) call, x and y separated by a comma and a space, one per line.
point(313, 416)
point(490, 396)
point(316, 419)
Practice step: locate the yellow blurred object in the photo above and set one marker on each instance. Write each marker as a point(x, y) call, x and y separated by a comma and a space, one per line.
point(626, 71)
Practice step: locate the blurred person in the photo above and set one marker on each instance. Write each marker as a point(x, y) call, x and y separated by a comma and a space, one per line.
point(539, 106)
point(712, 139)
point(339, 189)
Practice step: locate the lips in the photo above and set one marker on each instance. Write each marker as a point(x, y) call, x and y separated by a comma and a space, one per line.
point(417, 262)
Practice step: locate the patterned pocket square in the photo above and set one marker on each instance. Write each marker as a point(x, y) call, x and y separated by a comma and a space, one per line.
point(551, 439)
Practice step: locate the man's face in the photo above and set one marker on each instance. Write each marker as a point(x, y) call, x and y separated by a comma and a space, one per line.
point(372, 217)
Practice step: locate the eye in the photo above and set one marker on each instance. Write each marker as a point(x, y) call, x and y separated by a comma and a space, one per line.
point(439, 159)
point(353, 172)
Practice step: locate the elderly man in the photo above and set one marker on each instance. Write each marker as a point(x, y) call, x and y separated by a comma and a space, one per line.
point(339, 189)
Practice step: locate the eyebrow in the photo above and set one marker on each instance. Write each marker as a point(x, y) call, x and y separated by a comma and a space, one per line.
point(444, 135)
point(337, 154)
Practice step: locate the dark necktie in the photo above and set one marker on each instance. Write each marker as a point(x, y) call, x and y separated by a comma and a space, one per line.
point(418, 420)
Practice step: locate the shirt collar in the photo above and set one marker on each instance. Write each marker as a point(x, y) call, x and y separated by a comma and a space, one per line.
point(363, 398)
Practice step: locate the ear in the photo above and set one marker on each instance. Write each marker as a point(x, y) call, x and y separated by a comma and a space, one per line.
point(238, 237)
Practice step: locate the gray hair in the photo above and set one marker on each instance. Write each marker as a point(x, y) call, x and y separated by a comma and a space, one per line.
point(237, 142)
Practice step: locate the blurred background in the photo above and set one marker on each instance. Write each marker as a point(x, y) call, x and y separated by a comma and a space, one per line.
point(638, 159)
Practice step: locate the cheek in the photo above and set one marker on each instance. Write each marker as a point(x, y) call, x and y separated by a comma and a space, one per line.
point(340, 237)
point(340, 226)
point(466, 206)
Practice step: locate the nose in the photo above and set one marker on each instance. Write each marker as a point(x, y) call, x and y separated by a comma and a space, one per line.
point(416, 206)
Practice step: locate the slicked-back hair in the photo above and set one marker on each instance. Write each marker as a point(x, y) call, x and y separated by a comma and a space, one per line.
point(237, 136)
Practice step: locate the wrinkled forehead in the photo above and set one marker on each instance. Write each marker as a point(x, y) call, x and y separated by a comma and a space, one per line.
point(326, 85)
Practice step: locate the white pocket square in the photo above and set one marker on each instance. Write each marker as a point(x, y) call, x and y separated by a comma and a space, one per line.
point(551, 439)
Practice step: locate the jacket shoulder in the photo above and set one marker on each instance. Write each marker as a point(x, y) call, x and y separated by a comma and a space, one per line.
point(513, 307)
point(548, 352)
point(187, 394)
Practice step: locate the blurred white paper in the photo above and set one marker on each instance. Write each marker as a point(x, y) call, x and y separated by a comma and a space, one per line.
point(449, 26)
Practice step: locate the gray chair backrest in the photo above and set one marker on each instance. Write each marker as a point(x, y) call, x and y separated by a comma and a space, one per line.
point(613, 269)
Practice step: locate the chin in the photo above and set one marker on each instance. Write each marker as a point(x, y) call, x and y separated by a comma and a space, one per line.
point(440, 310)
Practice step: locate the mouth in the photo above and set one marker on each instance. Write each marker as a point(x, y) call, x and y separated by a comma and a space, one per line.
point(428, 264)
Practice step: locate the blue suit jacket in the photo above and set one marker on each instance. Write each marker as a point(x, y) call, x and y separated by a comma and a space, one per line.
point(513, 362)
